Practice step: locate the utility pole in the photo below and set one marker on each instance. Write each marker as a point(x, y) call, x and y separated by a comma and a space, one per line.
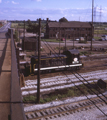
point(92, 23)
point(100, 16)
point(59, 36)
point(39, 63)
point(65, 43)
point(24, 37)
point(73, 38)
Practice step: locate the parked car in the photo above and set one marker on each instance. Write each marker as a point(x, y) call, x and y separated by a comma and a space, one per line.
point(62, 39)
point(77, 39)
point(101, 39)
point(104, 37)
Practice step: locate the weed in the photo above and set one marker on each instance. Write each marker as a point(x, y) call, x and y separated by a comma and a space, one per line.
point(30, 98)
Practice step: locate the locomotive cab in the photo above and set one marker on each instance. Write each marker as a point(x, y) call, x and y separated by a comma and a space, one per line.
point(73, 56)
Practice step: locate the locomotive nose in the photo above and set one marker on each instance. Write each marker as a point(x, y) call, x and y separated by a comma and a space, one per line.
point(75, 59)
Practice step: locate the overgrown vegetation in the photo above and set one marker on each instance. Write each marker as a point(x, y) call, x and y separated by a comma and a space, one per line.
point(51, 40)
point(82, 41)
point(85, 53)
point(16, 36)
point(60, 94)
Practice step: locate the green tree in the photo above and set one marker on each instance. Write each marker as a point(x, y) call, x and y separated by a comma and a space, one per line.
point(63, 19)
point(35, 28)
point(16, 36)
point(29, 22)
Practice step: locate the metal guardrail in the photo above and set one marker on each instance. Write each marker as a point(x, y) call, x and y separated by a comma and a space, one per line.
point(17, 110)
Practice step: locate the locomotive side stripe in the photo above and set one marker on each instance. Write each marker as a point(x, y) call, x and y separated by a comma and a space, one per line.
point(52, 58)
point(66, 66)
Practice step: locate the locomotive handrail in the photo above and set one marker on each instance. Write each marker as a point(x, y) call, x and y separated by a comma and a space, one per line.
point(17, 111)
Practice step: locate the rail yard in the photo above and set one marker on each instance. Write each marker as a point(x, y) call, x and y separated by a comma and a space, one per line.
point(58, 84)
point(66, 93)
point(54, 67)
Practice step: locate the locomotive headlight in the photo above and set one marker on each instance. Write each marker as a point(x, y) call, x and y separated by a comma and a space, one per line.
point(75, 59)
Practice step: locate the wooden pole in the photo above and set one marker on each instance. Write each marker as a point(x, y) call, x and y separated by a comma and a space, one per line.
point(39, 63)
point(24, 37)
point(65, 42)
point(92, 23)
point(59, 37)
point(73, 38)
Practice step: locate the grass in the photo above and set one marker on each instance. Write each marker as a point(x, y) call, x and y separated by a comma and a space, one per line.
point(59, 94)
point(96, 38)
point(13, 25)
point(30, 98)
point(100, 31)
point(85, 53)
point(82, 42)
point(16, 25)
point(51, 40)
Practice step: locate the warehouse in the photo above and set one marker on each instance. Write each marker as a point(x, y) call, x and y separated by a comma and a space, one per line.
point(70, 30)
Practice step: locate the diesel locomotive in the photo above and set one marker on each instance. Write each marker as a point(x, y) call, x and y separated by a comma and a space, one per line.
point(67, 60)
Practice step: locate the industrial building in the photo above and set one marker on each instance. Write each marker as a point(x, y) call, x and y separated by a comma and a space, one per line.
point(70, 30)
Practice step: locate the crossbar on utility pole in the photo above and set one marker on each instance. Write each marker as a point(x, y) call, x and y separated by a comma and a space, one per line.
point(39, 63)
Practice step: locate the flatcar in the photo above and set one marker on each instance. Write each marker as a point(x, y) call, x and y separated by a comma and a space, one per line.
point(68, 59)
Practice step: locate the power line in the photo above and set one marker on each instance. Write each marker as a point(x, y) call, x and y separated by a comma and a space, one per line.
point(86, 95)
point(87, 82)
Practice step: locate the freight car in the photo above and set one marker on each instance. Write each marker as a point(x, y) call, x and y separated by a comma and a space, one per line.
point(67, 60)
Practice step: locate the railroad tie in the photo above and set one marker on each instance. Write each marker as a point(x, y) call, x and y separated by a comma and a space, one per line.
point(46, 112)
point(55, 111)
point(38, 114)
point(42, 113)
point(61, 108)
point(29, 116)
point(51, 111)
point(33, 115)
point(66, 108)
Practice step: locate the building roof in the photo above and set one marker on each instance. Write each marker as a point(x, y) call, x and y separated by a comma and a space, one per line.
point(73, 24)
point(30, 39)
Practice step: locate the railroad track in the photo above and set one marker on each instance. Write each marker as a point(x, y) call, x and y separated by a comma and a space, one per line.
point(59, 82)
point(64, 110)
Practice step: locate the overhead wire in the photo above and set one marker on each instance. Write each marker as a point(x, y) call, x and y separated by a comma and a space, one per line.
point(83, 93)
point(87, 82)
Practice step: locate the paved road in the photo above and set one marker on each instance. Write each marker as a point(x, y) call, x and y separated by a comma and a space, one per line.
point(88, 44)
point(5, 27)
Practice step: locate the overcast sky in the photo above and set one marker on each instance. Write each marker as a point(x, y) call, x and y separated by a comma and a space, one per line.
point(73, 10)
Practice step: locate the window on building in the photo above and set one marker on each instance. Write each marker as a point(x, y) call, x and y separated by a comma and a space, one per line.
point(78, 29)
point(72, 29)
point(82, 35)
point(62, 35)
point(68, 36)
point(53, 35)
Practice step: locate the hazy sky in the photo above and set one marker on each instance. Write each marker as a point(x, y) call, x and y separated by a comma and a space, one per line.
point(53, 9)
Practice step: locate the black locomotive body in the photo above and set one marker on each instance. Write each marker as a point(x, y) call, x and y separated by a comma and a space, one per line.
point(68, 59)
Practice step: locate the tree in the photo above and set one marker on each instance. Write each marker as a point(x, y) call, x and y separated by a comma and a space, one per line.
point(29, 22)
point(63, 20)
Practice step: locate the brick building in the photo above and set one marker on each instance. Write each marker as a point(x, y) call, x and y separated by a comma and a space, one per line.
point(72, 30)
point(29, 43)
